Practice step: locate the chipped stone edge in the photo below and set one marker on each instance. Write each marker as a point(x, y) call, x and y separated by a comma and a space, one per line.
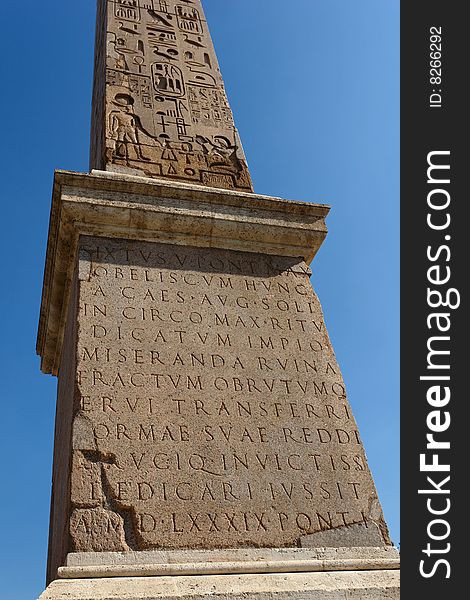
point(130, 207)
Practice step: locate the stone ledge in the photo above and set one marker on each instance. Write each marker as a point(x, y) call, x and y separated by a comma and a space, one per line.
point(234, 555)
point(346, 585)
point(225, 568)
point(219, 562)
point(129, 207)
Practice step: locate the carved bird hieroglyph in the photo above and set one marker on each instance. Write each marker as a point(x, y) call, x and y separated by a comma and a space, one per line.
point(196, 43)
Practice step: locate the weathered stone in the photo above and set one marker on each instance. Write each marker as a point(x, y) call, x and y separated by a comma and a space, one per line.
point(350, 536)
point(210, 408)
point(159, 103)
point(97, 529)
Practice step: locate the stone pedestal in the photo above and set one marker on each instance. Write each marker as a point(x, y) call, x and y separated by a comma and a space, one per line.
point(200, 404)
point(354, 573)
point(347, 585)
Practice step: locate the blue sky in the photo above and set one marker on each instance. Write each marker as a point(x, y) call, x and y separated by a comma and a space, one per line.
point(314, 86)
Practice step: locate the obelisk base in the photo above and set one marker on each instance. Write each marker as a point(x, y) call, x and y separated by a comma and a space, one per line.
point(304, 574)
point(130, 240)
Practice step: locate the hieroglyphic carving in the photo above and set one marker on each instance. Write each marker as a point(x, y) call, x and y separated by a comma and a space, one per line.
point(209, 107)
point(167, 113)
point(189, 19)
point(127, 9)
point(210, 409)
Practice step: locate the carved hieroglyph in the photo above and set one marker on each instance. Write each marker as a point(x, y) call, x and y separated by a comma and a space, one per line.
point(159, 106)
point(209, 408)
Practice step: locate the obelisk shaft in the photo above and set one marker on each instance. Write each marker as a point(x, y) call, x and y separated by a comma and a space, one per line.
point(159, 105)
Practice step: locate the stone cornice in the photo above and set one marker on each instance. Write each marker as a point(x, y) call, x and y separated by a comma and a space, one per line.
point(125, 206)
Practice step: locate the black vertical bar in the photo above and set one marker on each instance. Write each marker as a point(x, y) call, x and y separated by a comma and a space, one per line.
point(434, 129)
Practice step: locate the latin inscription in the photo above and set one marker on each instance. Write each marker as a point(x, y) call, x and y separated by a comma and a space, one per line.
point(210, 409)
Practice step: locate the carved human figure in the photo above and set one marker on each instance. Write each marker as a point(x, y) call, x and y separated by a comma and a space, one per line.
point(124, 126)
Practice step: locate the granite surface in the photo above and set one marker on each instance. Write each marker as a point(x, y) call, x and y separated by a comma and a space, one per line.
point(209, 409)
point(159, 104)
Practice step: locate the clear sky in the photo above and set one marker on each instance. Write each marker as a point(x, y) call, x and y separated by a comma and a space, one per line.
point(314, 85)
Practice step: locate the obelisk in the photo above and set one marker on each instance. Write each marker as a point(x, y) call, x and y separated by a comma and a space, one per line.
point(159, 103)
point(204, 442)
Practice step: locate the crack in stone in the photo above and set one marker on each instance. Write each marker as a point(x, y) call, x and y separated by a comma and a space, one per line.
point(98, 457)
point(104, 460)
point(126, 514)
